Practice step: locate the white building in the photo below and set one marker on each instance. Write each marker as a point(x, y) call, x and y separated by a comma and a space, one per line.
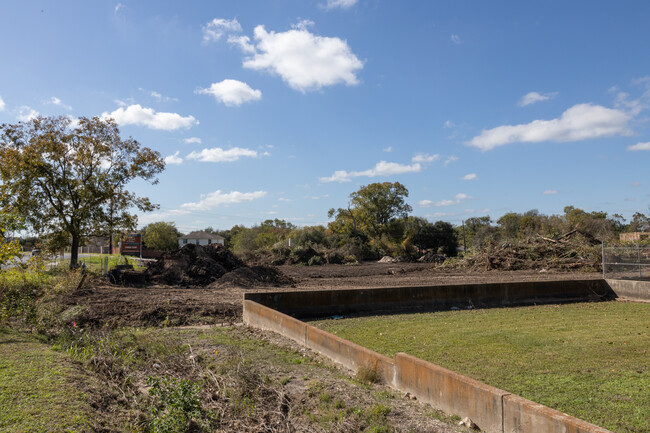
point(200, 238)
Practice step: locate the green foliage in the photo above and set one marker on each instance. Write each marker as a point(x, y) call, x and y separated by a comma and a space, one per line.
point(178, 402)
point(161, 236)
point(316, 261)
point(65, 177)
point(437, 237)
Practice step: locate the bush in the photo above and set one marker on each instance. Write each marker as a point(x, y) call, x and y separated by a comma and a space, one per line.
point(316, 261)
point(179, 403)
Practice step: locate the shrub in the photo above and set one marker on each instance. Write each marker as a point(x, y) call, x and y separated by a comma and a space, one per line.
point(316, 261)
point(179, 403)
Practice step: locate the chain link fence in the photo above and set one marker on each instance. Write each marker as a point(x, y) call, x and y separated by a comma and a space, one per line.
point(629, 262)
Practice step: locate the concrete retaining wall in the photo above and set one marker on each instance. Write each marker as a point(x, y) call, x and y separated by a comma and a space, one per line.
point(492, 409)
point(631, 290)
point(345, 352)
point(451, 392)
point(322, 303)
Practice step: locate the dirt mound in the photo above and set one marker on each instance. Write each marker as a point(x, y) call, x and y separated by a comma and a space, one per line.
point(196, 265)
point(254, 276)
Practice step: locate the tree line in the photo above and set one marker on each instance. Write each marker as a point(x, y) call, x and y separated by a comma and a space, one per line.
point(67, 181)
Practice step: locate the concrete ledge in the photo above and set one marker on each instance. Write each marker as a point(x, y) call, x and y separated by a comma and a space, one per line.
point(262, 317)
point(451, 392)
point(630, 289)
point(349, 354)
point(492, 409)
point(521, 415)
point(322, 303)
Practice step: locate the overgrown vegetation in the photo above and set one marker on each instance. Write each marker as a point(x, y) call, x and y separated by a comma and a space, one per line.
point(587, 360)
point(151, 380)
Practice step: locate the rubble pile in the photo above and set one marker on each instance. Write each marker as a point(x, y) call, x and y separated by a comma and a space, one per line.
point(196, 265)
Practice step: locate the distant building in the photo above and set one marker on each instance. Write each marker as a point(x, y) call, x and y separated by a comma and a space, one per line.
point(200, 238)
point(635, 236)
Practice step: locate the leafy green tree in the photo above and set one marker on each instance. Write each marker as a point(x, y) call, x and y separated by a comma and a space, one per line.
point(70, 177)
point(372, 208)
point(161, 236)
point(9, 248)
point(438, 237)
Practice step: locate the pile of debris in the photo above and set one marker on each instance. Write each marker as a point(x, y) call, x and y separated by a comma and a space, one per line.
point(573, 251)
point(211, 265)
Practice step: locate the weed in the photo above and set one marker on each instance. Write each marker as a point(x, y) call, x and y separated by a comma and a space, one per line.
point(325, 397)
point(368, 374)
point(178, 403)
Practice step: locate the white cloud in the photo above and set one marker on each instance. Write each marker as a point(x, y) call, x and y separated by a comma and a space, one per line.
point(217, 198)
point(304, 61)
point(25, 114)
point(636, 184)
point(217, 154)
point(459, 198)
point(382, 168)
point(174, 159)
point(118, 7)
point(216, 28)
point(388, 149)
point(639, 146)
point(470, 176)
point(441, 215)
point(2, 104)
point(580, 122)
point(455, 39)
point(533, 97)
point(425, 158)
point(284, 199)
point(192, 140)
point(56, 101)
point(449, 124)
point(550, 192)
point(451, 159)
point(138, 115)
point(157, 95)
point(342, 4)
point(232, 93)
point(243, 42)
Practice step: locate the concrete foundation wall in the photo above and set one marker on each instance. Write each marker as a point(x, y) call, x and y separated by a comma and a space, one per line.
point(492, 409)
point(521, 416)
point(631, 290)
point(322, 303)
point(451, 392)
point(345, 352)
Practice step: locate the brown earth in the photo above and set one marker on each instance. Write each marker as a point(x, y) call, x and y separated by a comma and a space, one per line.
point(103, 304)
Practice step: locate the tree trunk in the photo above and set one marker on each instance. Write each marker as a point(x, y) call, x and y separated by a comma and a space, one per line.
point(74, 251)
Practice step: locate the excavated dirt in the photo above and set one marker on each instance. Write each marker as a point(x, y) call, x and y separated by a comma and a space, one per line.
point(99, 303)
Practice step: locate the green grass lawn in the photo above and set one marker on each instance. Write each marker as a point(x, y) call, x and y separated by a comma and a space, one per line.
point(37, 387)
point(589, 360)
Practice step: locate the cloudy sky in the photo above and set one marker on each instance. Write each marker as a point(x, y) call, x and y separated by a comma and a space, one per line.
point(280, 109)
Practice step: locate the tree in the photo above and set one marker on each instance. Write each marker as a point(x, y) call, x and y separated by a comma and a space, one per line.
point(639, 223)
point(65, 176)
point(373, 207)
point(439, 236)
point(161, 236)
point(9, 249)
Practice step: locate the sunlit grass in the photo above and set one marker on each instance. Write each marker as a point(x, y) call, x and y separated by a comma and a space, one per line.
point(588, 360)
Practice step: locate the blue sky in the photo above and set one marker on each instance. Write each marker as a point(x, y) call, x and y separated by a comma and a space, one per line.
point(280, 109)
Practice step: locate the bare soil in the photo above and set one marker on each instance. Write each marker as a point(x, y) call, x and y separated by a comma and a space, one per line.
point(104, 304)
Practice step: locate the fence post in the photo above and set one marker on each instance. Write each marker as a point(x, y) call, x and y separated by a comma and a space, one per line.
point(603, 258)
point(638, 256)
